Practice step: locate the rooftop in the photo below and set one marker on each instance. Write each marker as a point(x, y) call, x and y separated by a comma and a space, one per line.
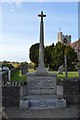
point(76, 45)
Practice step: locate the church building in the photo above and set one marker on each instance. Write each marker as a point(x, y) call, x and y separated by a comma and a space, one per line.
point(65, 39)
point(76, 46)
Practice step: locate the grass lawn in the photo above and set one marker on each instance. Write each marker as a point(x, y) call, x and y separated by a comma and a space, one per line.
point(17, 76)
point(31, 70)
point(73, 74)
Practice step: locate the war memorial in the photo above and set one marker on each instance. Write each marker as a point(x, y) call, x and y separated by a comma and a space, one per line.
point(41, 96)
point(41, 86)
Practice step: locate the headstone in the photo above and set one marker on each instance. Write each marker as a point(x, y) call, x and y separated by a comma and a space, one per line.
point(41, 89)
point(24, 70)
point(60, 70)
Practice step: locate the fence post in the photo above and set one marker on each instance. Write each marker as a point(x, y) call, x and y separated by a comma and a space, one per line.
point(9, 75)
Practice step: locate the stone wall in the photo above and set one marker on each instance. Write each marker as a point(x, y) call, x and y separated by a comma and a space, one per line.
point(11, 92)
point(71, 91)
point(10, 96)
point(5, 76)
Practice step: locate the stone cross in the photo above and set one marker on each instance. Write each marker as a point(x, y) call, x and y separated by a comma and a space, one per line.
point(41, 68)
point(59, 29)
point(42, 15)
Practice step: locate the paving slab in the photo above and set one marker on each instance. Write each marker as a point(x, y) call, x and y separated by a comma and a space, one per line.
point(70, 112)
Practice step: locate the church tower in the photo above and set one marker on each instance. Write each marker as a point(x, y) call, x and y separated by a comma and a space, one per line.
point(65, 39)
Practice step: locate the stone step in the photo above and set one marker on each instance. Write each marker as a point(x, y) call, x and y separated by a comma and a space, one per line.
point(29, 97)
point(43, 104)
point(43, 83)
point(41, 92)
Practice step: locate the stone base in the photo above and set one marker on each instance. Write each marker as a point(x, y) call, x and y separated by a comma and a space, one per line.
point(24, 104)
point(41, 71)
point(41, 84)
point(42, 92)
point(43, 104)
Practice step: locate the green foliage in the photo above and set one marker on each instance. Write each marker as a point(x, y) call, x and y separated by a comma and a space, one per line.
point(71, 57)
point(71, 74)
point(58, 55)
point(31, 65)
point(54, 55)
point(47, 55)
point(23, 64)
point(17, 76)
point(10, 66)
point(34, 53)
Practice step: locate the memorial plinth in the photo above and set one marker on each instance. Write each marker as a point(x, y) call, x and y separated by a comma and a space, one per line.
point(38, 84)
point(41, 89)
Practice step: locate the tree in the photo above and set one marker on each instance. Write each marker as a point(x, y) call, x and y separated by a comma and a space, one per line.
point(34, 53)
point(54, 55)
point(58, 56)
point(48, 55)
point(10, 66)
point(24, 64)
point(71, 57)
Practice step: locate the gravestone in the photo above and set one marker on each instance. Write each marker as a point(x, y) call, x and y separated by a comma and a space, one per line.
point(24, 70)
point(41, 89)
point(60, 70)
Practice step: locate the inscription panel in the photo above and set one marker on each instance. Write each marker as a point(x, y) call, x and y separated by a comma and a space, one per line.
point(41, 85)
point(47, 103)
point(43, 104)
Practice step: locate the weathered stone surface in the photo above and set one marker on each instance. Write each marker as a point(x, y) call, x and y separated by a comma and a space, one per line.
point(71, 91)
point(60, 90)
point(41, 85)
point(41, 82)
point(10, 96)
point(43, 104)
point(71, 113)
point(41, 68)
point(24, 104)
point(60, 70)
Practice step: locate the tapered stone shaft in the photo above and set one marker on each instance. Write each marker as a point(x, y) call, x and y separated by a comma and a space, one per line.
point(41, 68)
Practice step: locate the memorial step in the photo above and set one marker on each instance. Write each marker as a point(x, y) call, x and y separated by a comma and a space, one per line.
point(29, 97)
point(43, 104)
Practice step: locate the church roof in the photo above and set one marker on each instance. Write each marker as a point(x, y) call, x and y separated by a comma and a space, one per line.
point(76, 45)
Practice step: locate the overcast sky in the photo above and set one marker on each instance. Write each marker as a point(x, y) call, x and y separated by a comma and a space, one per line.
point(21, 25)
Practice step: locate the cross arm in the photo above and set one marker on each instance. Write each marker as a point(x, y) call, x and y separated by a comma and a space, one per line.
point(41, 16)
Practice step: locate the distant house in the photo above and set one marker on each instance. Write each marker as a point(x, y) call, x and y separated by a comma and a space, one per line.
point(76, 46)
